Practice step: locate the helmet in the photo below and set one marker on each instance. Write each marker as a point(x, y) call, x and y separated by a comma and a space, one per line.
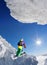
point(22, 39)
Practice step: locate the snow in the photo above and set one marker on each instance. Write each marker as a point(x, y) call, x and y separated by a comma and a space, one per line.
point(4, 47)
point(28, 11)
point(7, 50)
point(42, 60)
point(26, 60)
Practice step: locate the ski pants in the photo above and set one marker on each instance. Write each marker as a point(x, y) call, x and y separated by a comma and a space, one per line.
point(19, 51)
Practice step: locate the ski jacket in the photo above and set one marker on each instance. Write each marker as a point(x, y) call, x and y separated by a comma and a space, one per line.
point(21, 43)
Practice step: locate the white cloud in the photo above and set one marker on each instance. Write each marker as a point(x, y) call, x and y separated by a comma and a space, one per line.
point(28, 11)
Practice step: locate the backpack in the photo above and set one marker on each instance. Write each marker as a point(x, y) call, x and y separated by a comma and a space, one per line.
point(19, 43)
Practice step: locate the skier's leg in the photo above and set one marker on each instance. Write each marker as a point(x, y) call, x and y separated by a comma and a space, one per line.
point(18, 52)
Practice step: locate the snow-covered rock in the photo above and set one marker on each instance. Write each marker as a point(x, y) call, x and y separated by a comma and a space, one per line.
point(28, 11)
point(26, 60)
point(42, 60)
point(6, 48)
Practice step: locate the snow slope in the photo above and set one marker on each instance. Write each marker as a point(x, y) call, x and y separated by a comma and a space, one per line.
point(6, 50)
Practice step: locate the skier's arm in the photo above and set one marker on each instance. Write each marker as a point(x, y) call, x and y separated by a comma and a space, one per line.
point(24, 45)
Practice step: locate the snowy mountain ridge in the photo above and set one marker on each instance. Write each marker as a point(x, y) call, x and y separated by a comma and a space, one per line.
point(5, 47)
point(6, 50)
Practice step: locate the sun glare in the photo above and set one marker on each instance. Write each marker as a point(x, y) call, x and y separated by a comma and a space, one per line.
point(38, 42)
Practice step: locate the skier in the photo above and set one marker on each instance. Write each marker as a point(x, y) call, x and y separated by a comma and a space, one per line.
point(21, 44)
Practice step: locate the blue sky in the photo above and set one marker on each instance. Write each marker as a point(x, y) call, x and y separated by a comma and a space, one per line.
point(12, 30)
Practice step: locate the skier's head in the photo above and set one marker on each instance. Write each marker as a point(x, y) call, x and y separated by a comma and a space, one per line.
point(21, 39)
